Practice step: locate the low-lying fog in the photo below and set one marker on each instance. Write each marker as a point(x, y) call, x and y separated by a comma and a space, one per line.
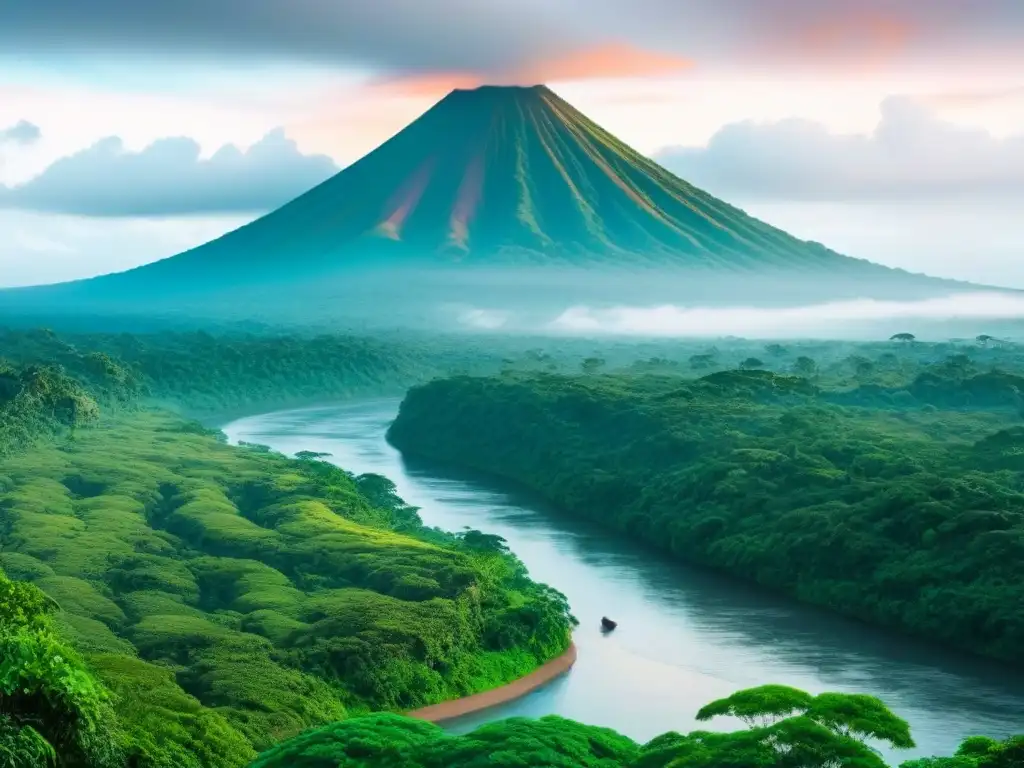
point(958, 314)
point(588, 301)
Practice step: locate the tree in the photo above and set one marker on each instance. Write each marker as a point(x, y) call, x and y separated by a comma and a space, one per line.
point(760, 706)
point(310, 455)
point(984, 339)
point(787, 728)
point(860, 716)
point(1006, 754)
point(805, 366)
point(802, 742)
point(751, 363)
point(848, 715)
point(592, 364)
point(888, 360)
point(483, 542)
point(776, 350)
point(52, 711)
point(862, 366)
point(978, 752)
point(701, 362)
point(904, 337)
point(957, 367)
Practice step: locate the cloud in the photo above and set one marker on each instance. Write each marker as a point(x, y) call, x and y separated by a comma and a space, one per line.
point(975, 97)
point(506, 36)
point(608, 61)
point(169, 177)
point(817, 320)
point(22, 132)
point(811, 34)
point(42, 248)
point(611, 61)
point(911, 155)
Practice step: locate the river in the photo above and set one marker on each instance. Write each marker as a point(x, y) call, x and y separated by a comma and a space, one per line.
point(685, 637)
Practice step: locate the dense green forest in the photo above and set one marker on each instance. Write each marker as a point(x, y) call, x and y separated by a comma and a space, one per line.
point(231, 598)
point(200, 602)
point(211, 373)
point(907, 515)
point(167, 600)
point(57, 713)
point(786, 728)
point(202, 373)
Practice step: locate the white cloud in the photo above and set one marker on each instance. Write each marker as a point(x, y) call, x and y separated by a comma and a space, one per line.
point(169, 177)
point(47, 248)
point(484, 319)
point(977, 241)
point(22, 132)
point(819, 320)
point(911, 155)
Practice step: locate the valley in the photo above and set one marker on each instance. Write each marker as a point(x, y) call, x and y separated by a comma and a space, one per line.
point(685, 636)
point(209, 605)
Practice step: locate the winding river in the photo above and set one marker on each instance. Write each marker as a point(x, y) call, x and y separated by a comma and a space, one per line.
point(685, 637)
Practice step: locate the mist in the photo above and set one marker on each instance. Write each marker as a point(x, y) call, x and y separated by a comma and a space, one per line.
point(957, 314)
point(528, 299)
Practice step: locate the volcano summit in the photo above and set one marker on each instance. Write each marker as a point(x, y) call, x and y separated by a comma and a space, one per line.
point(503, 195)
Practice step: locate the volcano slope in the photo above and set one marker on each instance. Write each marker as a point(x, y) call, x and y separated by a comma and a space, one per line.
point(506, 194)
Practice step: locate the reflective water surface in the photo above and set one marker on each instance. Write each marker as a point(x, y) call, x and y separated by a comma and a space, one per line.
point(685, 637)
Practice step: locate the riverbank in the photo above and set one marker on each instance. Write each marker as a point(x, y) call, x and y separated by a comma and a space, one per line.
point(720, 474)
point(449, 710)
point(686, 636)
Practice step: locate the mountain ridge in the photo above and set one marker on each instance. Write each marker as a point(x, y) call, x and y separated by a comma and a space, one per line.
point(506, 178)
point(519, 169)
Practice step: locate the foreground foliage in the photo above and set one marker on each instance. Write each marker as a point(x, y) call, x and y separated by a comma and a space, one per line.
point(787, 728)
point(50, 704)
point(907, 517)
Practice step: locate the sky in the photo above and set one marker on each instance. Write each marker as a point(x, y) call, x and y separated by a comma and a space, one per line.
point(891, 130)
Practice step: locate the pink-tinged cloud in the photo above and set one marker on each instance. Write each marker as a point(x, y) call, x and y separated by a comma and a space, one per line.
point(422, 86)
point(976, 97)
point(863, 38)
point(766, 37)
point(608, 61)
point(604, 62)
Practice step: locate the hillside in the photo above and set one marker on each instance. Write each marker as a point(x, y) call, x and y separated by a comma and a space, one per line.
point(500, 194)
point(225, 598)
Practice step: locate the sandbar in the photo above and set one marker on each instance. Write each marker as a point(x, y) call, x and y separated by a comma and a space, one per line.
point(544, 674)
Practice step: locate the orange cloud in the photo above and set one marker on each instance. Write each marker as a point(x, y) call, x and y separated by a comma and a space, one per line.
point(605, 62)
point(863, 31)
point(975, 98)
point(610, 61)
point(862, 39)
point(425, 86)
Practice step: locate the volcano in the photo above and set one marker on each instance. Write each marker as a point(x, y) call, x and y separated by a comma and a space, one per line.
point(507, 194)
